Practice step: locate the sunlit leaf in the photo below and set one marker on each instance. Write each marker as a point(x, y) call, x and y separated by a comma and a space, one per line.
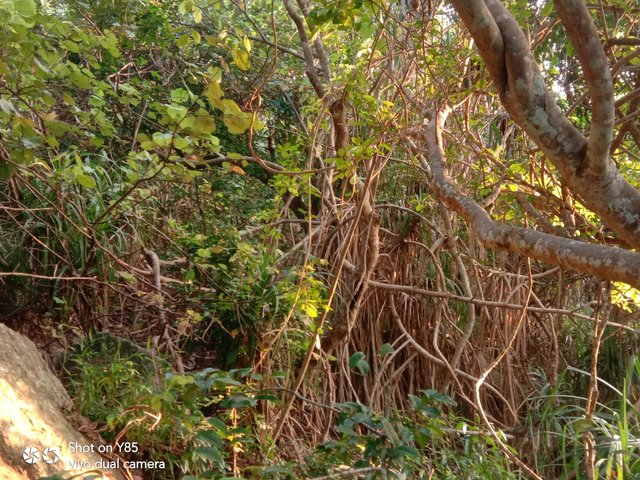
point(162, 139)
point(213, 92)
point(237, 124)
point(176, 112)
point(241, 58)
point(197, 16)
point(85, 180)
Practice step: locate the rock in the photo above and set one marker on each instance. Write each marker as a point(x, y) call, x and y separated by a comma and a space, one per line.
point(36, 439)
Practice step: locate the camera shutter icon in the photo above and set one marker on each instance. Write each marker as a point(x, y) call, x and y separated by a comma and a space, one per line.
point(50, 455)
point(31, 455)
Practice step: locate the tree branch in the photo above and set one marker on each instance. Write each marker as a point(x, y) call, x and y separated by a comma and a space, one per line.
point(310, 69)
point(584, 38)
point(524, 95)
point(610, 263)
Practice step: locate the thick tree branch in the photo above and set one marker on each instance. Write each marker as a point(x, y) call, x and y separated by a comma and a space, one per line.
point(586, 42)
point(485, 32)
point(610, 263)
point(524, 95)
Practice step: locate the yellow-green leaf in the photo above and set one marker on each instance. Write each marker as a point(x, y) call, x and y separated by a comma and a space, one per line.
point(241, 59)
point(71, 46)
point(197, 16)
point(129, 277)
point(311, 310)
point(68, 99)
point(231, 107)
point(213, 40)
point(26, 8)
point(258, 124)
point(237, 124)
point(247, 43)
point(205, 124)
point(213, 91)
point(85, 180)
point(176, 112)
point(183, 41)
point(162, 139)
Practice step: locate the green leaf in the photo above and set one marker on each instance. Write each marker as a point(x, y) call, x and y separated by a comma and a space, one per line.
point(129, 277)
point(357, 360)
point(407, 451)
point(6, 105)
point(548, 8)
point(438, 397)
point(390, 432)
point(5, 171)
point(183, 41)
point(217, 423)
point(181, 143)
point(311, 310)
point(79, 79)
point(208, 453)
point(231, 107)
point(386, 349)
point(238, 401)
point(179, 95)
point(162, 139)
point(214, 74)
point(110, 43)
point(176, 112)
point(181, 380)
point(267, 397)
point(26, 8)
point(258, 124)
point(210, 437)
point(71, 46)
point(85, 180)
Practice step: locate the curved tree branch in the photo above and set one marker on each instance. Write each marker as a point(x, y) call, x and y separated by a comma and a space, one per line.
point(610, 263)
point(584, 37)
point(584, 165)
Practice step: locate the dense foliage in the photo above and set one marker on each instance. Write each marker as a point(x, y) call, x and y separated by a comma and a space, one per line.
point(230, 221)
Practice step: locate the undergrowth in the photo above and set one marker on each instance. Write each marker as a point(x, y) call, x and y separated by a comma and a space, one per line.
point(210, 424)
